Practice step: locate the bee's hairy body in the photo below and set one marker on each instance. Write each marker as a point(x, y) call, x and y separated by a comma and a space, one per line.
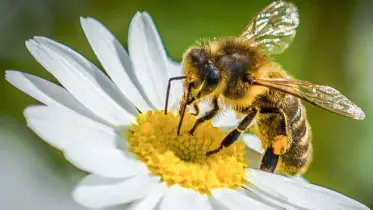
point(238, 72)
point(296, 154)
point(281, 118)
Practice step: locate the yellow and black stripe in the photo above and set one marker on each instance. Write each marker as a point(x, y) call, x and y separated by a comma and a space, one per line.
point(299, 155)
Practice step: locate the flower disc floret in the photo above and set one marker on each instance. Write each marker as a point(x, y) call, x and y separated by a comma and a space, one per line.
point(182, 159)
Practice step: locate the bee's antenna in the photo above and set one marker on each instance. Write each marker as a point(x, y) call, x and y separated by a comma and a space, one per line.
point(183, 110)
point(168, 91)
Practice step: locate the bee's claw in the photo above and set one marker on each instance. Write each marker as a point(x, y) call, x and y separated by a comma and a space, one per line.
point(191, 132)
point(209, 153)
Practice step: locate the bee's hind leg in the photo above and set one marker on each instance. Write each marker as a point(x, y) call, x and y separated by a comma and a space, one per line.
point(234, 134)
point(269, 161)
point(279, 143)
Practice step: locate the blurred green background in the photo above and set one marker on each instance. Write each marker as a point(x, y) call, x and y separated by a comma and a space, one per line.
point(333, 46)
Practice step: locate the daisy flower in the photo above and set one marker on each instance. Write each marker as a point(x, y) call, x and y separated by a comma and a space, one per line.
point(115, 130)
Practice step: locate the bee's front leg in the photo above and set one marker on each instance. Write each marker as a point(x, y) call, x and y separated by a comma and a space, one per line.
point(196, 109)
point(234, 134)
point(207, 116)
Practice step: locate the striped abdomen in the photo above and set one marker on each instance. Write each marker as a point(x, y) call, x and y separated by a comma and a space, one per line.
point(297, 159)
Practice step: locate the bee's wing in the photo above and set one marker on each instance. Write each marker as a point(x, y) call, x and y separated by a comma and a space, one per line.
point(274, 27)
point(323, 96)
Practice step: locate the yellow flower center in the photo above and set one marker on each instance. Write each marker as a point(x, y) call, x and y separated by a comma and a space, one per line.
point(182, 159)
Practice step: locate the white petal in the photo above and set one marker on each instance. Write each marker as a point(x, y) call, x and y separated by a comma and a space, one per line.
point(97, 192)
point(175, 70)
point(82, 79)
point(227, 118)
point(59, 127)
point(254, 158)
point(297, 194)
point(184, 199)
point(104, 162)
point(301, 179)
point(87, 144)
point(204, 106)
point(149, 58)
point(253, 142)
point(234, 200)
point(46, 92)
point(150, 202)
point(216, 205)
point(115, 60)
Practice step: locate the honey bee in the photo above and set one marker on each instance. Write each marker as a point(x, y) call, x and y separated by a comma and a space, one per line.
point(239, 73)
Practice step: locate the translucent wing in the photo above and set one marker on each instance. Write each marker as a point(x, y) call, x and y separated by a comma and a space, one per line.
point(323, 96)
point(274, 27)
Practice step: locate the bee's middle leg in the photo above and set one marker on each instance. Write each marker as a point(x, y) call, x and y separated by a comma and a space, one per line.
point(207, 116)
point(234, 134)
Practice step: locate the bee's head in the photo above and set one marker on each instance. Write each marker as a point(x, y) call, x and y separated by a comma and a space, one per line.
point(202, 76)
